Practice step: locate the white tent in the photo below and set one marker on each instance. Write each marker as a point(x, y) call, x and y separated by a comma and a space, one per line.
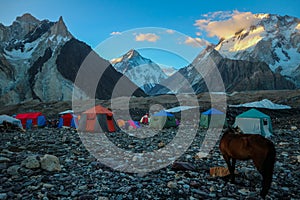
point(10, 119)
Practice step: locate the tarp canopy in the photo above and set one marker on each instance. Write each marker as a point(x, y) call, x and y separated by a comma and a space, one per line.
point(180, 108)
point(254, 122)
point(10, 119)
point(265, 103)
point(66, 112)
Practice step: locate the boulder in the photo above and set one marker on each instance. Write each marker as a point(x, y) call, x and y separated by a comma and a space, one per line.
point(50, 163)
point(31, 162)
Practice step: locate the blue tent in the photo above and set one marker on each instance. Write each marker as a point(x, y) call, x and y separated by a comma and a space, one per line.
point(162, 120)
point(219, 118)
point(163, 113)
point(213, 111)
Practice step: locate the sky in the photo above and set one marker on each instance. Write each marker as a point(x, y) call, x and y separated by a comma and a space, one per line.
point(171, 33)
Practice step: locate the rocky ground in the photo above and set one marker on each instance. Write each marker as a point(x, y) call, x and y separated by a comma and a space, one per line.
point(81, 176)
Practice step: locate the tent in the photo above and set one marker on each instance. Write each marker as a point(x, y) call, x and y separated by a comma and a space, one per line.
point(32, 119)
point(68, 120)
point(14, 121)
point(162, 120)
point(133, 124)
point(145, 119)
point(218, 117)
point(254, 121)
point(98, 119)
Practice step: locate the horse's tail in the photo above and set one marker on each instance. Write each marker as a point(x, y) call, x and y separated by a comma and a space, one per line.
point(267, 169)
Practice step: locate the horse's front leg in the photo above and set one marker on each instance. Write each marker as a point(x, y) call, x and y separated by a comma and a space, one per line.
point(232, 169)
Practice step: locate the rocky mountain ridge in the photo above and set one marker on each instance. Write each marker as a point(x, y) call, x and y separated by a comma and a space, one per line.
point(40, 60)
point(235, 75)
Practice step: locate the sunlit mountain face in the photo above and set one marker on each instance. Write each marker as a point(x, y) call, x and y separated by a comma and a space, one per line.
point(272, 39)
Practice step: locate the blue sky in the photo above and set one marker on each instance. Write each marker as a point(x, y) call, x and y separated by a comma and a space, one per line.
point(100, 23)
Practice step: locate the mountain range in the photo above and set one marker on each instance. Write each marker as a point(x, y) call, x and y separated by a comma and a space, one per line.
point(264, 56)
point(40, 60)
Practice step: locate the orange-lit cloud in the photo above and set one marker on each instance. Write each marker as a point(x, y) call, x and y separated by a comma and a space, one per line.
point(115, 33)
point(170, 31)
point(150, 37)
point(225, 24)
point(195, 42)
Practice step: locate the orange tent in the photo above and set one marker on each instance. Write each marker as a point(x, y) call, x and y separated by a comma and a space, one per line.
point(98, 119)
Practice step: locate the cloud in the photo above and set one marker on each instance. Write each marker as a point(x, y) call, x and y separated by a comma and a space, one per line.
point(170, 31)
point(115, 33)
point(195, 42)
point(150, 37)
point(225, 24)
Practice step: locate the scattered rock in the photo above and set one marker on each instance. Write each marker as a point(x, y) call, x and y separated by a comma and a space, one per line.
point(13, 170)
point(31, 162)
point(50, 163)
point(4, 160)
point(183, 166)
point(79, 175)
point(172, 184)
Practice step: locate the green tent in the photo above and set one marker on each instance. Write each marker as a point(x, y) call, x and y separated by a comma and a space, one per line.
point(254, 121)
point(162, 120)
point(213, 115)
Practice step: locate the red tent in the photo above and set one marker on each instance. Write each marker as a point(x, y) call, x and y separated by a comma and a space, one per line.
point(32, 119)
point(97, 119)
point(145, 119)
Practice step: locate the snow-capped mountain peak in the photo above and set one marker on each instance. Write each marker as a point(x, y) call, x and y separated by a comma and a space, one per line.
point(272, 39)
point(142, 71)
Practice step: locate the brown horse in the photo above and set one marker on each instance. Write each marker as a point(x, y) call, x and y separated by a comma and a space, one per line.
point(238, 146)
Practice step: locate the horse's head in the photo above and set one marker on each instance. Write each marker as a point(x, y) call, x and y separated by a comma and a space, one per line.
point(237, 130)
point(233, 130)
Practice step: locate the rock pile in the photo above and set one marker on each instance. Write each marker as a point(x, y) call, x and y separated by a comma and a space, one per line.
point(54, 164)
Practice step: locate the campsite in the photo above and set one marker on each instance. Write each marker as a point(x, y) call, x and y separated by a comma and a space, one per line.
point(81, 176)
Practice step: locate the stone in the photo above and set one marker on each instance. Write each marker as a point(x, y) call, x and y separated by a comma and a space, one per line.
point(50, 163)
point(3, 196)
point(172, 185)
point(244, 191)
point(13, 170)
point(201, 155)
point(4, 160)
point(31, 162)
point(294, 128)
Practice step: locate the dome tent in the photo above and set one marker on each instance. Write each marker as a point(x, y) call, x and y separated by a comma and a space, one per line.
point(68, 119)
point(98, 119)
point(162, 120)
point(32, 119)
point(219, 118)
